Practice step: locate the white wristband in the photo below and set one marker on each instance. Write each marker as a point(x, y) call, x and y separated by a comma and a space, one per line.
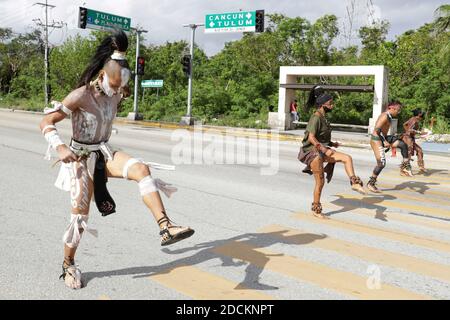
point(50, 126)
point(53, 139)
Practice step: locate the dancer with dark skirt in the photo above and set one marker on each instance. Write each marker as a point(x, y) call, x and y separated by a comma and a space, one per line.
point(317, 149)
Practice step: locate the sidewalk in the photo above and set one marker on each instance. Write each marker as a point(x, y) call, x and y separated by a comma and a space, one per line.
point(348, 139)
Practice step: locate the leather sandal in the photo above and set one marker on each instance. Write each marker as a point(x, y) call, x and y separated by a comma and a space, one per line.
point(169, 238)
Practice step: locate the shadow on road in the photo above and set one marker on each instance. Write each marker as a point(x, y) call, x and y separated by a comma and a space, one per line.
point(205, 251)
point(416, 186)
point(371, 203)
point(434, 172)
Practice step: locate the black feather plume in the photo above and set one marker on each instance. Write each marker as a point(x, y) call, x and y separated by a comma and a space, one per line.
point(116, 41)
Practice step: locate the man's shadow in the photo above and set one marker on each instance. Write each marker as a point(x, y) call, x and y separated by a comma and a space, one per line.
point(416, 186)
point(205, 252)
point(431, 172)
point(371, 203)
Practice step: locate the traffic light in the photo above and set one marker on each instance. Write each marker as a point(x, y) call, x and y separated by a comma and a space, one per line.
point(259, 23)
point(82, 18)
point(140, 65)
point(186, 62)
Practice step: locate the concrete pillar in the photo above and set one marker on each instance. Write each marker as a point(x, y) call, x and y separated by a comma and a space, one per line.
point(282, 120)
point(288, 74)
point(380, 98)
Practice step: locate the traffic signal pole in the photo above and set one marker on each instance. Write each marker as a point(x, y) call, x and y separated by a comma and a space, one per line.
point(135, 115)
point(188, 119)
point(191, 51)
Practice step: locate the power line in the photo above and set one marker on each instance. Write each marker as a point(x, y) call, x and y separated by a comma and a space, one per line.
point(371, 10)
point(16, 13)
point(46, 26)
point(15, 18)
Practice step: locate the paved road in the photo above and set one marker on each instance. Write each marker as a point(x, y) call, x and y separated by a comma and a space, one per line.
point(255, 237)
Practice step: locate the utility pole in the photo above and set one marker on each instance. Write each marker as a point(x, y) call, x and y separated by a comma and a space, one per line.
point(46, 26)
point(350, 16)
point(135, 115)
point(188, 119)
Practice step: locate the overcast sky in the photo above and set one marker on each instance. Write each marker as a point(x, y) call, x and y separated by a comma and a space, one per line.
point(164, 18)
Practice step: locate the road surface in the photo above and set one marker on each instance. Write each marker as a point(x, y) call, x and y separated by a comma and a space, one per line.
point(255, 237)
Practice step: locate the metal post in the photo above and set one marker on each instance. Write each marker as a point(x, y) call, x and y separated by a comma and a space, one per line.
point(46, 60)
point(136, 76)
point(46, 56)
point(191, 52)
point(188, 119)
point(135, 115)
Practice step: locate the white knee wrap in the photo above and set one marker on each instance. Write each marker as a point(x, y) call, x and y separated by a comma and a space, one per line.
point(72, 236)
point(129, 163)
point(147, 185)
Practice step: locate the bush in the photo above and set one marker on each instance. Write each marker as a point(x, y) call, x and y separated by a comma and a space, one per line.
point(35, 103)
point(441, 126)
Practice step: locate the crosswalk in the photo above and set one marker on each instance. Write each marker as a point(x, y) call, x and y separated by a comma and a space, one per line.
point(395, 245)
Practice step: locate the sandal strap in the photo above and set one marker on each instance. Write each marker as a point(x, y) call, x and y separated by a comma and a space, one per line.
point(65, 269)
point(404, 165)
point(165, 231)
point(316, 207)
point(163, 219)
point(355, 180)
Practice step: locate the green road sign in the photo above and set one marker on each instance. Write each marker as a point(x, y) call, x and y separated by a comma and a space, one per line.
point(152, 83)
point(243, 21)
point(106, 21)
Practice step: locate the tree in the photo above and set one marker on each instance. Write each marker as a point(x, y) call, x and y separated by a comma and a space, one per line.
point(236, 86)
point(19, 53)
point(373, 35)
point(442, 18)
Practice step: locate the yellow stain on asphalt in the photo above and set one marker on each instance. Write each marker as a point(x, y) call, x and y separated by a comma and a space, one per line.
point(370, 254)
point(324, 276)
point(389, 216)
point(199, 284)
point(422, 198)
point(396, 176)
point(374, 200)
point(427, 190)
point(377, 232)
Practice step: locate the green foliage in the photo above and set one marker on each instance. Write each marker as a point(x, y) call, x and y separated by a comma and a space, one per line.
point(67, 63)
point(373, 36)
point(33, 104)
point(236, 86)
point(442, 125)
point(442, 21)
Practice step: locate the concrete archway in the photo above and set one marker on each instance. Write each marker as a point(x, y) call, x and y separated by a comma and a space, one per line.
point(281, 120)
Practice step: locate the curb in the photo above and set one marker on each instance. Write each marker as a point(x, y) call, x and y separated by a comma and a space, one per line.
point(243, 132)
point(21, 111)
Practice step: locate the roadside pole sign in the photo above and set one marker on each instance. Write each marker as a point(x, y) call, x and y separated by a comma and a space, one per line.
point(152, 83)
point(98, 20)
point(243, 21)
